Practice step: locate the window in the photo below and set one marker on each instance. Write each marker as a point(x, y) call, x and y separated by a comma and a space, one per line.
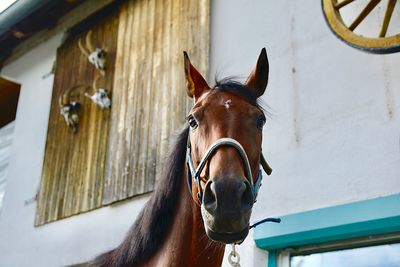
point(364, 252)
point(383, 255)
point(324, 236)
point(9, 94)
point(6, 133)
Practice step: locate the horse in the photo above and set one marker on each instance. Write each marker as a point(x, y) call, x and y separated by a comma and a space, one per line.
point(205, 194)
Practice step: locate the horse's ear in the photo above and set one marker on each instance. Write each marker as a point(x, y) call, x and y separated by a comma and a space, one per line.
point(195, 83)
point(258, 78)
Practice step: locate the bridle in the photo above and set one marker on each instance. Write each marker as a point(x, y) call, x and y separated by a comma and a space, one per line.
point(196, 172)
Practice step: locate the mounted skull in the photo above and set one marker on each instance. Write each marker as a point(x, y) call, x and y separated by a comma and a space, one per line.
point(96, 56)
point(69, 109)
point(70, 113)
point(100, 96)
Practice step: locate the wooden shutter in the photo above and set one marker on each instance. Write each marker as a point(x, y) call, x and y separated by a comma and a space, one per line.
point(97, 167)
point(73, 169)
point(150, 89)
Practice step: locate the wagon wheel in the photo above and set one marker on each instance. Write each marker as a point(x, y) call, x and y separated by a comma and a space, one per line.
point(378, 44)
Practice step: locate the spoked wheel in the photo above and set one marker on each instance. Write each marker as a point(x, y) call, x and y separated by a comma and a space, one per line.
point(345, 21)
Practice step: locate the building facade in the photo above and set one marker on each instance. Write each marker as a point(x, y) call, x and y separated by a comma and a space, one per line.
point(332, 139)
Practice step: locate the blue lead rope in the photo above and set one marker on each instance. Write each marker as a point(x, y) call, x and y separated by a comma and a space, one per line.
point(274, 220)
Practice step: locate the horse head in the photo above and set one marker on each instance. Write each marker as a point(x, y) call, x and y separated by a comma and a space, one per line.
point(224, 149)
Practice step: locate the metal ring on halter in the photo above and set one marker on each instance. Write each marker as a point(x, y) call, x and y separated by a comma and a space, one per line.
point(232, 255)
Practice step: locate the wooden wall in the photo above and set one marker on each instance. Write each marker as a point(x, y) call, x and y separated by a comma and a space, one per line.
point(116, 154)
point(73, 169)
point(149, 88)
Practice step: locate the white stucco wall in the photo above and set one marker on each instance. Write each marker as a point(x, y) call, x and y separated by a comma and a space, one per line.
point(333, 136)
point(334, 133)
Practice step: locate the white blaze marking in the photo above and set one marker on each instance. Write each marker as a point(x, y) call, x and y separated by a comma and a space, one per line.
point(228, 103)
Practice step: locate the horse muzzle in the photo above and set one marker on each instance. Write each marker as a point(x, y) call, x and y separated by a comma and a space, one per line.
point(226, 208)
point(228, 238)
point(227, 201)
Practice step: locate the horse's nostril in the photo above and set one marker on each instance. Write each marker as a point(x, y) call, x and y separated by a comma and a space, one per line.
point(209, 199)
point(242, 188)
point(228, 196)
point(247, 196)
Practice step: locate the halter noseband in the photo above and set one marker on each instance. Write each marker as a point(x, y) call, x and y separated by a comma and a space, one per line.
point(196, 172)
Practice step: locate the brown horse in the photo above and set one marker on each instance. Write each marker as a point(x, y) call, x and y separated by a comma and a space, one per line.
point(205, 196)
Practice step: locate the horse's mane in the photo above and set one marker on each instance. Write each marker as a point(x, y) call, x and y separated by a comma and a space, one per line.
point(151, 225)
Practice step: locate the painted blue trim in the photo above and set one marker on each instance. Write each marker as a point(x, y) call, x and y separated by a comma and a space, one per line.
point(272, 258)
point(357, 219)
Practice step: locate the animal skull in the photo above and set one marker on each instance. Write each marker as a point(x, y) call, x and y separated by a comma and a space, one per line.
point(96, 56)
point(70, 113)
point(100, 97)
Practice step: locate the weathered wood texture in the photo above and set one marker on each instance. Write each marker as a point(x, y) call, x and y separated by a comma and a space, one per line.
point(73, 169)
point(97, 167)
point(149, 88)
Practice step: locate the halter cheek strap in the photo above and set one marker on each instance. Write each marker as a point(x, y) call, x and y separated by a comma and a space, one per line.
point(196, 172)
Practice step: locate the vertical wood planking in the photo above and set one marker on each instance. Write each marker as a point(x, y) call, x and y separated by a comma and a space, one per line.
point(117, 154)
point(73, 168)
point(149, 88)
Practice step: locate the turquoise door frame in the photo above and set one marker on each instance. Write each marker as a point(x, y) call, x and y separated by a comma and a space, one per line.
point(368, 217)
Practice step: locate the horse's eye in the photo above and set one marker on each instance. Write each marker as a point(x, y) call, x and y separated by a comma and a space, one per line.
point(260, 121)
point(192, 122)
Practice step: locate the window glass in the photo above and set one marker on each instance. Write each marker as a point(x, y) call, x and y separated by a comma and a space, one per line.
point(5, 147)
point(375, 256)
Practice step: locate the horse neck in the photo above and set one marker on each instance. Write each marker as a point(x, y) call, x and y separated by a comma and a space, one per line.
point(186, 243)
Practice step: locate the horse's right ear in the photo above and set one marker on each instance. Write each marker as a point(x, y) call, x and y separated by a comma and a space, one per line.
point(195, 83)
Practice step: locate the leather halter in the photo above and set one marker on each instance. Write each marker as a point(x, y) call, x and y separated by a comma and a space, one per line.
point(196, 172)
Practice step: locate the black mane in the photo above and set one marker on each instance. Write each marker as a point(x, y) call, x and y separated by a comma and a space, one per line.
point(231, 85)
point(151, 225)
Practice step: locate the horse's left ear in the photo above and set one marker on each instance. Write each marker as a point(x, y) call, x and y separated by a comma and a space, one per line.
point(258, 78)
point(195, 83)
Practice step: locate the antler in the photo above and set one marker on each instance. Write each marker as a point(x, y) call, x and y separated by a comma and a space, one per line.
point(96, 88)
point(89, 44)
point(83, 50)
point(65, 97)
